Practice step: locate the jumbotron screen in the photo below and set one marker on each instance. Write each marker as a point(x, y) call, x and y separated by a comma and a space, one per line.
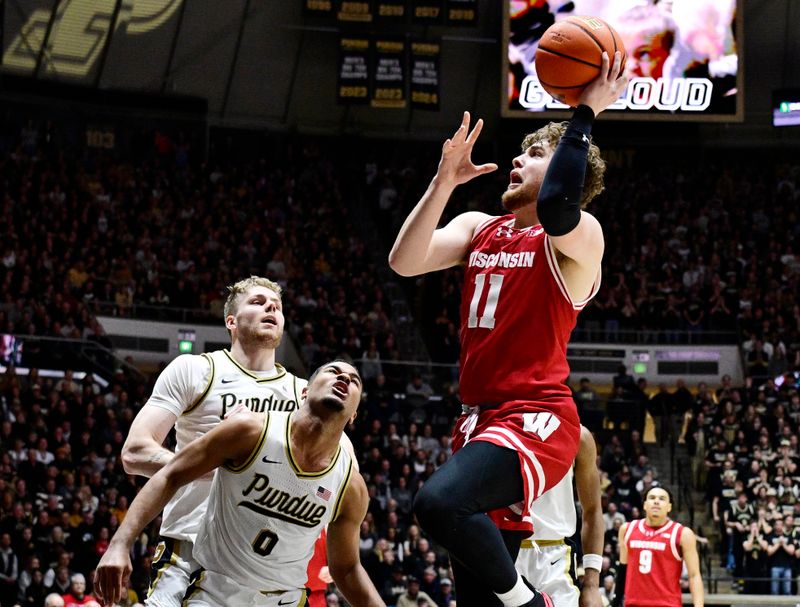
point(684, 57)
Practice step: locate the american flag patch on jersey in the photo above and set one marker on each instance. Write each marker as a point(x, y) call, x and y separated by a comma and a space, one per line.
point(323, 493)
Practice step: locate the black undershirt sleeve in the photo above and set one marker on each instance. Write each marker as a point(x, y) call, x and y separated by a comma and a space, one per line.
point(559, 202)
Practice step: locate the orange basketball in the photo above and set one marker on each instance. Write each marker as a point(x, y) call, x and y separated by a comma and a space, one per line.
point(570, 54)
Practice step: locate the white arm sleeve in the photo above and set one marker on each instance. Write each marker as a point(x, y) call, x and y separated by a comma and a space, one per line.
point(181, 383)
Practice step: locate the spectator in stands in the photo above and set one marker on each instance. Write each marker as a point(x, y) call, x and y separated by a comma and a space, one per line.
point(781, 551)
point(53, 600)
point(413, 596)
point(77, 593)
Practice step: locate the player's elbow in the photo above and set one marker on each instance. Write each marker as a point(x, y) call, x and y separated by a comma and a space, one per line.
point(401, 264)
point(131, 452)
point(340, 572)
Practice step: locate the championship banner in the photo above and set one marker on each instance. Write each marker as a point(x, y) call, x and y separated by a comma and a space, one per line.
point(426, 11)
point(462, 12)
point(425, 75)
point(322, 8)
point(389, 74)
point(391, 11)
point(354, 10)
point(353, 71)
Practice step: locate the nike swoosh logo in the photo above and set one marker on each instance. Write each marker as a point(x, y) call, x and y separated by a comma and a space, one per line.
point(266, 460)
point(228, 381)
point(554, 562)
point(282, 603)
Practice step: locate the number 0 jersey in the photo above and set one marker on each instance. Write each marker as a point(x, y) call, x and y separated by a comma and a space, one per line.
point(655, 563)
point(516, 318)
point(264, 517)
point(200, 390)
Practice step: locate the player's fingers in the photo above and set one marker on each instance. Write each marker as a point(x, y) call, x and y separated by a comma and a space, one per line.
point(461, 133)
point(445, 144)
point(615, 66)
point(486, 168)
point(473, 136)
point(604, 65)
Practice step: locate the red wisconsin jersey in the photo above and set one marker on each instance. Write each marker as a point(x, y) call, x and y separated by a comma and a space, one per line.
point(655, 563)
point(516, 319)
point(318, 560)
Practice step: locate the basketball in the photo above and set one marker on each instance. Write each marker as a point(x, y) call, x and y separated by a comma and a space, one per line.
point(570, 55)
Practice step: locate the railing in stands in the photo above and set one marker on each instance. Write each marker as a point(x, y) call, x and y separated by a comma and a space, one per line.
point(43, 352)
point(142, 311)
point(586, 333)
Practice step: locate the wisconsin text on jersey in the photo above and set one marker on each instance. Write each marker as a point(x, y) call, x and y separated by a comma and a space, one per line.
point(523, 259)
point(281, 504)
point(256, 404)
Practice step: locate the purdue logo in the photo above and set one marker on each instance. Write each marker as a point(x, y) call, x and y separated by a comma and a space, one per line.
point(256, 404)
point(272, 502)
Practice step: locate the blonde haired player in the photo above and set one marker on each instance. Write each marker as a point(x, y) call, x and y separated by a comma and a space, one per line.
point(546, 560)
point(193, 394)
point(281, 477)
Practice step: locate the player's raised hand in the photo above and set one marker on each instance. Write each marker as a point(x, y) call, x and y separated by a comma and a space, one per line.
point(456, 166)
point(112, 573)
point(607, 87)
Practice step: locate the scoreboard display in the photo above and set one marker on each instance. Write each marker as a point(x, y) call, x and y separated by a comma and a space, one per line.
point(684, 57)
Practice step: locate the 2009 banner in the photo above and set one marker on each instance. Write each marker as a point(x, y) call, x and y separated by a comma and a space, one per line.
point(447, 12)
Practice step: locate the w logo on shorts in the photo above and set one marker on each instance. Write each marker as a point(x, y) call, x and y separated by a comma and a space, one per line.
point(542, 424)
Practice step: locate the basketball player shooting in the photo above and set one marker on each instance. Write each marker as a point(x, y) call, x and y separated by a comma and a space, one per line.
point(527, 275)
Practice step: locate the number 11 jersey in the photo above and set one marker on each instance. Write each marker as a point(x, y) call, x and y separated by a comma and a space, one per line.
point(516, 318)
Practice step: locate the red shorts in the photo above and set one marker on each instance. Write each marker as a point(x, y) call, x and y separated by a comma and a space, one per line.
point(317, 598)
point(546, 443)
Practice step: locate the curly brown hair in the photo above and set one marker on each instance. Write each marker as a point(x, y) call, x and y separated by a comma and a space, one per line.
point(595, 165)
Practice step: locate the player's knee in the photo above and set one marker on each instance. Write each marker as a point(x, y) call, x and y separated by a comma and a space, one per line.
point(433, 507)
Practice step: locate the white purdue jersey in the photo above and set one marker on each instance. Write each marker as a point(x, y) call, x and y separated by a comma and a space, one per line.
point(200, 390)
point(553, 513)
point(265, 516)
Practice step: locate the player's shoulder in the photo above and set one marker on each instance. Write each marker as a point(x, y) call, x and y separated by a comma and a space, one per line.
point(190, 361)
point(478, 222)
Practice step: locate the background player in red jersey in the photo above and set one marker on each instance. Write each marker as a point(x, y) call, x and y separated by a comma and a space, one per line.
point(654, 549)
point(527, 274)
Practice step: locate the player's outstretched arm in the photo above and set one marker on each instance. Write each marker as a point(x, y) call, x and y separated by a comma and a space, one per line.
point(573, 232)
point(343, 555)
point(232, 440)
point(587, 483)
point(420, 247)
point(692, 560)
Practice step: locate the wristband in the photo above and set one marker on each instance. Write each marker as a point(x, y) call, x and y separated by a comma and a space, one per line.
point(592, 561)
